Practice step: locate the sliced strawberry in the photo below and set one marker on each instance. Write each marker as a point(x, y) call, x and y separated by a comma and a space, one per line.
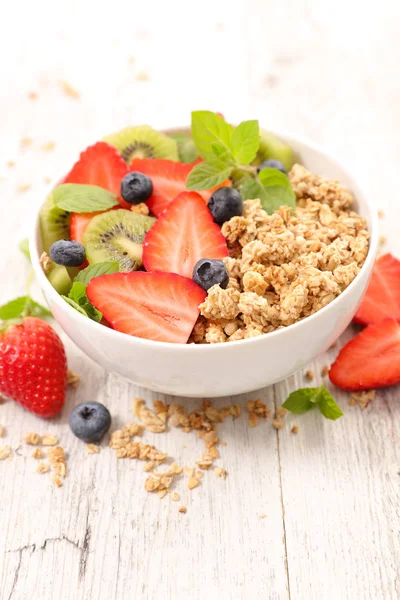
point(156, 306)
point(370, 360)
point(169, 180)
point(100, 165)
point(382, 299)
point(78, 225)
point(184, 234)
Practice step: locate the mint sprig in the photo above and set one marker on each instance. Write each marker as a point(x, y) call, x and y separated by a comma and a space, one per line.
point(82, 198)
point(228, 150)
point(305, 399)
point(92, 271)
point(78, 299)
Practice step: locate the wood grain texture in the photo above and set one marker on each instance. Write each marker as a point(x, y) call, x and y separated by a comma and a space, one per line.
point(331, 494)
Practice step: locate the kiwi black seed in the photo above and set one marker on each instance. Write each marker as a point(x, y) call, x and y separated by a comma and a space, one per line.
point(118, 236)
point(143, 142)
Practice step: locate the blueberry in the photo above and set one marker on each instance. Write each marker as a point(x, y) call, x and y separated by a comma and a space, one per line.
point(90, 421)
point(136, 188)
point(208, 272)
point(225, 203)
point(67, 253)
point(272, 164)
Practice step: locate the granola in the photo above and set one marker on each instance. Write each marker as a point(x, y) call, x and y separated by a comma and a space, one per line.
point(286, 266)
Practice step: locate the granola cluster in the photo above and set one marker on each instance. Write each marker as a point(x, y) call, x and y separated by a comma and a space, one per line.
point(285, 266)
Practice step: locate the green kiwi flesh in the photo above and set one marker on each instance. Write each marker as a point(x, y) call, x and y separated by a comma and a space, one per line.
point(61, 278)
point(143, 142)
point(54, 223)
point(273, 147)
point(117, 236)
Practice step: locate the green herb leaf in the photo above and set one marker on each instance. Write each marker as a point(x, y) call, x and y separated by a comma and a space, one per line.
point(251, 189)
point(24, 247)
point(13, 309)
point(246, 142)
point(82, 198)
point(302, 400)
point(278, 190)
point(207, 175)
point(34, 309)
point(92, 271)
point(328, 406)
point(78, 295)
point(209, 128)
point(22, 307)
point(75, 305)
point(221, 153)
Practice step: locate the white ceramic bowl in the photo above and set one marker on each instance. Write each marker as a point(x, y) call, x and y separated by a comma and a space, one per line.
point(231, 368)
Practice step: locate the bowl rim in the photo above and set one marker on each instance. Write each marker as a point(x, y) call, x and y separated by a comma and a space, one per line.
point(115, 336)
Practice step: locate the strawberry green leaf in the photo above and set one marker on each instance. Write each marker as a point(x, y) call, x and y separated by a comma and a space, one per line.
point(22, 307)
point(246, 142)
point(209, 128)
point(82, 198)
point(34, 309)
point(24, 247)
point(207, 175)
point(13, 309)
point(92, 271)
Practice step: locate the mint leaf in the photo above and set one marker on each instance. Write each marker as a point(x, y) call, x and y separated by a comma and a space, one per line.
point(75, 305)
point(78, 295)
point(82, 198)
point(278, 190)
point(222, 153)
point(209, 128)
point(22, 307)
point(251, 189)
point(92, 271)
point(328, 406)
point(302, 400)
point(246, 142)
point(24, 247)
point(13, 309)
point(207, 175)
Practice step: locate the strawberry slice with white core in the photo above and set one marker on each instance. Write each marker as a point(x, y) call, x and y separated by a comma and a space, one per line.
point(370, 360)
point(184, 234)
point(169, 180)
point(382, 299)
point(157, 306)
point(102, 165)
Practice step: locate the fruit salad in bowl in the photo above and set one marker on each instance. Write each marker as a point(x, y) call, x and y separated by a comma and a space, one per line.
point(204, 261)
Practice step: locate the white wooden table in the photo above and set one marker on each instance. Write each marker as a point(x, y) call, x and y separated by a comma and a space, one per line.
point(331, 494)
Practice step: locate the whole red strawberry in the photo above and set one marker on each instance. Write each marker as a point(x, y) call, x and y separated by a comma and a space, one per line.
point(33, 366)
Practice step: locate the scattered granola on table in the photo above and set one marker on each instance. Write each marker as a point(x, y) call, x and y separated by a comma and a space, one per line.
point(285, 266)
point(362, 399)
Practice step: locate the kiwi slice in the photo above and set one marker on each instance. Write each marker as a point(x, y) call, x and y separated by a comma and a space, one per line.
point(54, 223)
point(273, 147)
point(61, 278)
point(186, 147)
point(117, 236)
point(143, 142)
